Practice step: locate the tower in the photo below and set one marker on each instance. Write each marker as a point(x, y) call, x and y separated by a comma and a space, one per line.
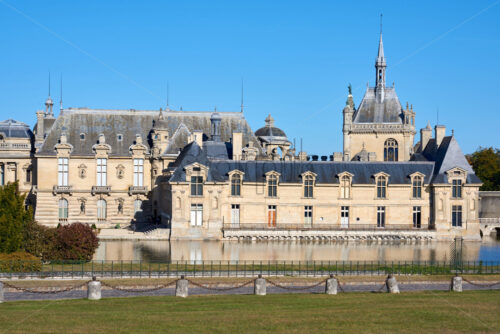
point(215, 121)
point(380, 66)
point(348, 113)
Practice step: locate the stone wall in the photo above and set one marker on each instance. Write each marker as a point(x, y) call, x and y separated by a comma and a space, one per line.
point(489, 204)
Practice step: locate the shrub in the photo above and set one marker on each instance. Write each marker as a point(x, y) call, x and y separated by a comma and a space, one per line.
point(13, 218)
point(19, 262)
point(117, 226)
point(73, 242)
point(39, 240)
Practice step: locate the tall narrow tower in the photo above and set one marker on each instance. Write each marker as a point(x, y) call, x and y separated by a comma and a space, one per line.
point(380, 66)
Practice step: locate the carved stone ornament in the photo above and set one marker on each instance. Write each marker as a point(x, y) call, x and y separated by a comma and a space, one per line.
point(120, 171)
point(82, 171)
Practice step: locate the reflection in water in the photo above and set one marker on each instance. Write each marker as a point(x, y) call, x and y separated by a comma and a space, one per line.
point(165, 251)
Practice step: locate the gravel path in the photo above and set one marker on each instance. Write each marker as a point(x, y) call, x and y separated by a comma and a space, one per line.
point(82, 293)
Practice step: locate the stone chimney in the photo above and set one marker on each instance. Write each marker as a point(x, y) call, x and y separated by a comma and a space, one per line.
point(198, 137)
point(40, 115)
point(425, 136)
point(237, 145)
point(440, 133)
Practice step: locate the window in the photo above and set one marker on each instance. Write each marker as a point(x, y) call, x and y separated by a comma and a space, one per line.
point(196, 186)
point(236, 185)
point(272, 186)
point(62, 168)
point(344, 217)
point(456, 216)
point(235, 215)
point(308, 186)
point(196, 214)
point(381, 187)
point(82, 136)
point(28, 175)
point(63, 209)
point(137, 206)
point(345, 187)
point(308, 212)
point(101, 172)
point(119, 137)
point(271, 215)
point(101, 209)
point(2, 175)
point(417, 216)
point(380, 216)
point(457, 189)
point(417, 187)
point(138, 172)
point(391, 150)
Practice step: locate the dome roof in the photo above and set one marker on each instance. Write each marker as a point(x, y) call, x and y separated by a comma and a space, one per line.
point(15, 129)
point(270, 130)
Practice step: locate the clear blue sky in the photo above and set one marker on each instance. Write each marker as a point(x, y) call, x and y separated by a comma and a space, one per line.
point(296, 58)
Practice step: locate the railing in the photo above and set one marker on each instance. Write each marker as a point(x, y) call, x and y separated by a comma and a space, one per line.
point(101, 189)
point(137, 190)
point(489, 220)
point(325, 227)
point(62, 189)
point(68, 269)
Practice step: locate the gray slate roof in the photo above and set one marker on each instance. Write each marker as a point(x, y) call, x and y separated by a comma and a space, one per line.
point(327, 172)
point(371, 111)
point(11, 128)
point(128, 123)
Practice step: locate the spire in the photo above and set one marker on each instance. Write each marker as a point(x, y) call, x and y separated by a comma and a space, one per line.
point(49, 103)
point(61, 97)
point(380, 66)
point(241, 94)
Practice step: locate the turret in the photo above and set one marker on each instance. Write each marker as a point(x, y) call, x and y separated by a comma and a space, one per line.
point(215, 121)
point(348, 113)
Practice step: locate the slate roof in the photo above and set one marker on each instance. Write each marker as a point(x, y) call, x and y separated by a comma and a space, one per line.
point(326, 171)
point(15, 129)
point(128, 123)
point(371, 111)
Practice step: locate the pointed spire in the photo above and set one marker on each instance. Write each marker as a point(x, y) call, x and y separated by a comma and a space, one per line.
point(428, 127)
point(380, 66)
point(49, 103)
point(380, 55)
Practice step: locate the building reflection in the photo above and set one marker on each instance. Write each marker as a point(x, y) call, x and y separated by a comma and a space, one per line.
point(191, 251)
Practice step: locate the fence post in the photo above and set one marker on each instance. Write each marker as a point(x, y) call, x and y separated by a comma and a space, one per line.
point(94, 289)
point(1, 293)
point(391, 284)
point(259, 287)
point(456, 283)
point(331, 285)
point(181, 287)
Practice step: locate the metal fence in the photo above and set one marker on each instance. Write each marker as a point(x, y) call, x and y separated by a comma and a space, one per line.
point(327, 227)
point(123, 269)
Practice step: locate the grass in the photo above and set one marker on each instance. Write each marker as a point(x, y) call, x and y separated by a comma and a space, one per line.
point(418, 312)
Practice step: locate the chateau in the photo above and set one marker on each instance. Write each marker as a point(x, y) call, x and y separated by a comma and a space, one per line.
point(207, 175)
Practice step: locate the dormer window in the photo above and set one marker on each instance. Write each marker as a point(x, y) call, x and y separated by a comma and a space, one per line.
point(345, 187)
point(196, 185)
point(272, 185)
point(381, 187)
point(236, 185)
point(417, 187)
point(308, 186)
point(457, 188)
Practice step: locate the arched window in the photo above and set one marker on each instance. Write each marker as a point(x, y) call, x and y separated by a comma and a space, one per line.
point(272, 186)
point(391, 150)
point(137, 206)
point(345, 187)
point(63, 209)
point(381, 187)
point(417, 187)
point(101, 209)
point(236, 185)
point(308, 186)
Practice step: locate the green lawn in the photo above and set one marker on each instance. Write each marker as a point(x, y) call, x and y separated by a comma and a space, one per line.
point(419, 312)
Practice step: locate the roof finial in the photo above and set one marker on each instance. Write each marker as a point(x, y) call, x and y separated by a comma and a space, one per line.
point(241, 94)
point(168, 95)
point(452, 132)
point(381, 16)
point(49, 83)
point(349, 88)
point(61, 98)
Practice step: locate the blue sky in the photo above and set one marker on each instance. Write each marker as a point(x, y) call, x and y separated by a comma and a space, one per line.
point(296, 59)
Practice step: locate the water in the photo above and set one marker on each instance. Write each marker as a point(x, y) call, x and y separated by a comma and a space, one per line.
point(165, 251)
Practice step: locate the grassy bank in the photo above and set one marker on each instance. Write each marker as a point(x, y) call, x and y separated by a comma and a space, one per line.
point(475, 311)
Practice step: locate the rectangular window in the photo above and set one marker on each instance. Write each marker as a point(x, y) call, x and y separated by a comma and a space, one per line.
point(63, 209)
point(196, 214)
point(102, 168)
point(236, 185)
point(101, 209)
point(308, 187)
point(417, 216)
point(196, 185)
point(62, 168)
point(456, 215)
point(235, 215)
point(2, 175)
point(381, 187)
point(344, 217)
point(28, 175)
point(380, 216)
point(417, 187)
point(271, 215)
point(457, 189)
point(272, 186)
point(308, 213)
point(138, 172)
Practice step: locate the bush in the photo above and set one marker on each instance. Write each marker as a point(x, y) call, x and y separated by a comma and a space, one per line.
point(13, 218)
point(39, 240)
point(19, 262)
point(72, 242)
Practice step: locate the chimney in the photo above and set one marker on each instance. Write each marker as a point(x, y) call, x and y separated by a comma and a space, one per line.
point(425, 135)
point(237, 145)
point(440, 133)
point(198, 137)
point(39, 126)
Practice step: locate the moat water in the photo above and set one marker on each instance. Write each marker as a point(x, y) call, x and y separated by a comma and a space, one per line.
point(166, 251)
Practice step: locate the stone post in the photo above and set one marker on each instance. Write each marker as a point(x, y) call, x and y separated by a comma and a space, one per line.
point(1, 293)
point(181, 287)
point(331, 286)
point(259, 287)
point(392, 284)
point(94, 289)
point(456, 284)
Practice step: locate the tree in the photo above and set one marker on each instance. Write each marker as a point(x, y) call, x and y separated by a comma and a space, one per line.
point(486, 165)
point(74, 242)
point(13, 218)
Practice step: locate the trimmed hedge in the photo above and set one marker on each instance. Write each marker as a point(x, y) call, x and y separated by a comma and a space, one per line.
point(19, 262)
